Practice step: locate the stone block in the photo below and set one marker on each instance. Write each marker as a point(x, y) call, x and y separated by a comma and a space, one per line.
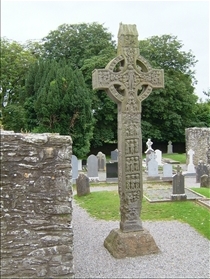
point(130, 244)
point(82, 185)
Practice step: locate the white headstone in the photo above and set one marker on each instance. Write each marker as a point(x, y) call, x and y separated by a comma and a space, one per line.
point(158, 154)
point(74, 162)
point(92, 167)
point(152, 166)
point(167, 172)
point(190, 167)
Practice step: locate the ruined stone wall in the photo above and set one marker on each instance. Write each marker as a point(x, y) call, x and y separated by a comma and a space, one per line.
point(36, 208)
point(198, 139)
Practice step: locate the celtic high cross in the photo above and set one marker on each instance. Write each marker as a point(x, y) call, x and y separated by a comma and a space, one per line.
point(128, 79)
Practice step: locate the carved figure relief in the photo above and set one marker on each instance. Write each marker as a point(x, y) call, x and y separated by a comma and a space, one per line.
point(132, 181)
point(131, 146)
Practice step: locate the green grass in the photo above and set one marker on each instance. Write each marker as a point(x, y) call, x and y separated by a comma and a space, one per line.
point(105, 205)
point(176, 157)
point(203, 191)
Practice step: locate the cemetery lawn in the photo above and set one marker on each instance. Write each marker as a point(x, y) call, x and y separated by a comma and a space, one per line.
point(105, 205)
point(180, 157)
point(203, 191)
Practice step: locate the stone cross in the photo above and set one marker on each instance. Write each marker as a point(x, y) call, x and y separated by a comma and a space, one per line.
point(128, 79)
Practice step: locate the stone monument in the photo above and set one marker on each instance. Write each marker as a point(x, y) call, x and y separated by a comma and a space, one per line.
point(128, 79)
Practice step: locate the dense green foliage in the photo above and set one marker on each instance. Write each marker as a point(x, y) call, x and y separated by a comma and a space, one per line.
point(15, 62)
point(167, 112)
point(46, 86)
point(58, 99)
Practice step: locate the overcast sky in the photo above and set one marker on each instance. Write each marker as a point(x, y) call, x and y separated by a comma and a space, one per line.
point(188, 20)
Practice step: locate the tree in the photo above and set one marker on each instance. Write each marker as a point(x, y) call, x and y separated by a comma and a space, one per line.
point(15, 62)
point(167, 112)
point(105, 110)
point(76, 42)
point(60, 102)
point(87, 46)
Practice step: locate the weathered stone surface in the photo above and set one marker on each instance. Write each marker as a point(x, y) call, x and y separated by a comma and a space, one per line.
point(36, 209)
point(198, 139)
point(178, 190)
point(205, 181)
point(130, 244)
point(82, 185)
point(128, 79)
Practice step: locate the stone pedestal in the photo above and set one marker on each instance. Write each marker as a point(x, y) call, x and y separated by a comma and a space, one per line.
point(130, 244)
point(178, 197)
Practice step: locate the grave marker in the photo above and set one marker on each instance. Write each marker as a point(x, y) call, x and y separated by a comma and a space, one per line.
point(159, 157)
point(74, 163)
point(82, 185)
point(191, 167)
point(92, 167)
point(169, 147)
point(201, 169)
point(101, 161)
point(128, 79)
point(167, 172)
point(178, 192)
point(114, 155)
point(152, 167)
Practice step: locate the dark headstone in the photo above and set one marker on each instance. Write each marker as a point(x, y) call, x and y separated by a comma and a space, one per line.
point(205, 181)
point(201, 169)
point(112, 171)
point(178, 192)
point(82, 185)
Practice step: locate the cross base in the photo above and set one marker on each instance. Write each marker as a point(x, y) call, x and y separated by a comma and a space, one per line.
point(130, 244)
point(178, 197)
point(131, 226)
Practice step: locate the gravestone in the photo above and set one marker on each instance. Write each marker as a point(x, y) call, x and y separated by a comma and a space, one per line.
point(112, 172)
point(82, 185)
point(92, 168)
point(158, 157)
point(152, 167)
point(178, 192)
point(74, 163)
point(201, 169)
point(169, 147)
point(101, 161)
point(167, 172)
point(114, 155)
point(205, 182)
point(149, 150)
point(190, 167)
point(149, 144)
point(129, 79)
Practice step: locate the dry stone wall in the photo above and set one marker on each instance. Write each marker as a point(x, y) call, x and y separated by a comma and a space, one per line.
point(36, 208)
point(198, 139)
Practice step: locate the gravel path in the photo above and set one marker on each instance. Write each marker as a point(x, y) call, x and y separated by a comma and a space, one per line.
point(184, 252)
